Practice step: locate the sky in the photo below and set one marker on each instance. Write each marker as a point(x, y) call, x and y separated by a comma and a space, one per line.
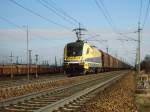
point(49, 30)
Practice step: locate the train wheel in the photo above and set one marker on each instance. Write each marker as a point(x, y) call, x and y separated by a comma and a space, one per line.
point(96, 70)
point(84, 72)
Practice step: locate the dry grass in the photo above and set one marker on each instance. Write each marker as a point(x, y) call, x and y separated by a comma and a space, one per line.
point(117, 98)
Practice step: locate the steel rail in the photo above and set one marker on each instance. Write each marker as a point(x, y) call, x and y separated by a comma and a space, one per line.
point(77, 95)
point(51, 92)
point(14, 100)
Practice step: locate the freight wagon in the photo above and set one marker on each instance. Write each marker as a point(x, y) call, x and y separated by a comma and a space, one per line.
point(22, 69)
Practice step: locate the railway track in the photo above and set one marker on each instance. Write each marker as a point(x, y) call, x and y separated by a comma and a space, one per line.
point(6, 83)
point(66, 98)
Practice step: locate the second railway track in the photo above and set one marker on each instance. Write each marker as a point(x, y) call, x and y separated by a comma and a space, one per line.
point(66, 98)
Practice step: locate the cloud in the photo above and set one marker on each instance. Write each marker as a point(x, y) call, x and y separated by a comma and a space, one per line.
point(50, 42)
point(33, 33)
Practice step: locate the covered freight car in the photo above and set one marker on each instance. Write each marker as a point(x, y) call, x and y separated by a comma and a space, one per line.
point(5, 70)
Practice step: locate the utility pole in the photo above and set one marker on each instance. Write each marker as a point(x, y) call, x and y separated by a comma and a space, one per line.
point(17, 62)
point(55, 61)
point(20, 61)
point(47, 63)
point(139, 48)
point(27, 52)
point(36, 59)
point(136, 60)
point(29, 63)
point(11, 59)
point(30, 58)
point(60, 62)
point(107, 49)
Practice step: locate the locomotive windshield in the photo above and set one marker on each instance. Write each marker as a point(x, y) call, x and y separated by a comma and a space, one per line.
point(75, 49)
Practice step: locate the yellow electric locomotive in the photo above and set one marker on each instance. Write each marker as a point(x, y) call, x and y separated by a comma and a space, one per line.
point(80, 58)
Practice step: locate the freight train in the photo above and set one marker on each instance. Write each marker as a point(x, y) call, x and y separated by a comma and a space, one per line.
point(5, 70)
point(81, 58)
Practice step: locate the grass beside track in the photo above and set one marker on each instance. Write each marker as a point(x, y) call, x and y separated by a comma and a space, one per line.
point(143, 102)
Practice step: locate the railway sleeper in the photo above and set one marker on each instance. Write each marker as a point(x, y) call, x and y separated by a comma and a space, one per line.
point(69, 106)
point(64, 109)
point(37, 104)
point(11, 109)
point(73, 106)
point(25, 107)
point(50, 98)
point(32, 105)
point(45, 100)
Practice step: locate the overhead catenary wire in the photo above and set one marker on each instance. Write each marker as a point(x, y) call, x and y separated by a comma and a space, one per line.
point(139, 21)
point(59, 9)
point(19, 27)
point(10, 22)
point(31, 11)
point(108, 17)
point(105, 15)
point(141, 3)
point(37, 14)
point(54, 11)
point(146, 15)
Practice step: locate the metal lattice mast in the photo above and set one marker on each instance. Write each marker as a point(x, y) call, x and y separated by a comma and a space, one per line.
point(36, 59)
point(139, 47)
point(11, 59)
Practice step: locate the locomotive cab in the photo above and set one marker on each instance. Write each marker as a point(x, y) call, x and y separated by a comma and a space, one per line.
point(73, 58)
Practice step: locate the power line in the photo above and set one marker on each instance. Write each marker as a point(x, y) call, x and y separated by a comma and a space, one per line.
point(146, 15)
point(19, 27)
point(54, 11)
point(139, 19)
point(37, 14)
point(108, 15)
point(59, 9)
point(104, 13)
point(10, 22)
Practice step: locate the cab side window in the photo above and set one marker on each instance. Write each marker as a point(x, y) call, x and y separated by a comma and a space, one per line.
point(87, 52)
